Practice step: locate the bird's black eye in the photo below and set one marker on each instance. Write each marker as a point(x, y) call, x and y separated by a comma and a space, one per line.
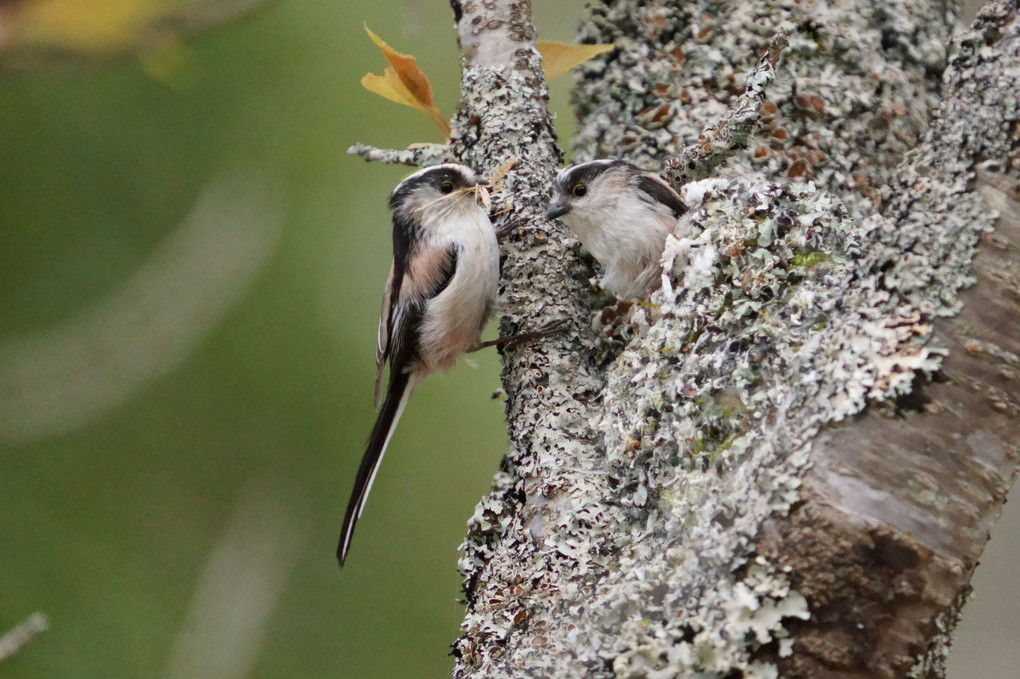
point(446, 186)
point(579, 190)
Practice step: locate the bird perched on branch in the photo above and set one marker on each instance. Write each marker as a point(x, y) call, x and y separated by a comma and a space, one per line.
point(440, 293)
point(622, 215)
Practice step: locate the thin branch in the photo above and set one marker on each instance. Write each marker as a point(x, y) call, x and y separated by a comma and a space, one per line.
point(418, 156)
point(21, 634)
point(722, 140)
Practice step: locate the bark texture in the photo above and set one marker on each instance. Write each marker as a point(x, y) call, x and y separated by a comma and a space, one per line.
point(787, 463)
point(792, 466)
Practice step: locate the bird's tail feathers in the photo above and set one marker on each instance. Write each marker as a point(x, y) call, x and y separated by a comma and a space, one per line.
point(399, 390)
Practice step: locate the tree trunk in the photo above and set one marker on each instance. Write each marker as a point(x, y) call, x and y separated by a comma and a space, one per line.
point(787, 463)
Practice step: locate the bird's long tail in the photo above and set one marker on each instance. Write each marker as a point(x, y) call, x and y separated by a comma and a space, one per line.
point(399, 389)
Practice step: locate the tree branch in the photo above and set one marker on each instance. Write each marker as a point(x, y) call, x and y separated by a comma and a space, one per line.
point(781, 474)
point(551, 385)
point(22, 633)
point(792, 466)
point(720, 141)
point(419, 156)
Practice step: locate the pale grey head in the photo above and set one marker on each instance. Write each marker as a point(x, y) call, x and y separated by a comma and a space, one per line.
point(599, 185)
point(622, 215)
point(433, 186)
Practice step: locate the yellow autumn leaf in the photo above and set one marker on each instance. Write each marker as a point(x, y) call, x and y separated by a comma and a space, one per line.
point(404, 83)
point(84, 25)
point(103, 28)
point(559, 57)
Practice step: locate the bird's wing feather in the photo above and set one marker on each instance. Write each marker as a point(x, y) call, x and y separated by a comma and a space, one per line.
point(429, 272)
point(428, 275)
point(382, 346)
point(661, 192)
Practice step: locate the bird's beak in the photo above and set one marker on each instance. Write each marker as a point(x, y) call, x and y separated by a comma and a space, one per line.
point(557, 210)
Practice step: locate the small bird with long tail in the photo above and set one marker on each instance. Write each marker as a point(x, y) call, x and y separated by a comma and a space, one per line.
point(441, 290)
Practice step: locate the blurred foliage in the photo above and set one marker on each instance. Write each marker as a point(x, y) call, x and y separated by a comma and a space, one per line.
point(190, 272)
point(82, 28)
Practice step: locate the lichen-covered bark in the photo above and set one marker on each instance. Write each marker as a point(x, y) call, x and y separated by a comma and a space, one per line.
point(905, 494)
point(857, 84)
point(551, 385)
point(787, 463)
point(794, 460)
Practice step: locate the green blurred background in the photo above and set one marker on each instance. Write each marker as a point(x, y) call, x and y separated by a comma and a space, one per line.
point(191, 270)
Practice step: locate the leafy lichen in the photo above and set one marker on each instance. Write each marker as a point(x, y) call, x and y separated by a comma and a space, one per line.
point(803, 294)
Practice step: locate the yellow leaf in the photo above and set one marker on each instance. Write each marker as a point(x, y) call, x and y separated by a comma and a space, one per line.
point(389, 87)
point(84, 25)
point(105, 28)
point(559, 57)
point(406, 69)
point(404, 83)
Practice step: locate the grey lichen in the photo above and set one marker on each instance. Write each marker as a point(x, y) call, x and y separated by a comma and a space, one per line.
point(718, 142)
point(551, 385)
point(638, 546)
point(854, 90)
point(727, 396)
point(420, 155)
point(932, 662)
point(635, 528)
point(630, 546)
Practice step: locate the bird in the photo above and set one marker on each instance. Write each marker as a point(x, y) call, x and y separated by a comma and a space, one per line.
point(440, 292)
point(622, 215)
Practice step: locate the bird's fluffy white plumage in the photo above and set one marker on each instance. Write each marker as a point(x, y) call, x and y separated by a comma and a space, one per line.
point(622, 218)
point(440, 292)
point(453, 320)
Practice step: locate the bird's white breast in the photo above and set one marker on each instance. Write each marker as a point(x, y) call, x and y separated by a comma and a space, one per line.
point(454, 318)
point(625, 235)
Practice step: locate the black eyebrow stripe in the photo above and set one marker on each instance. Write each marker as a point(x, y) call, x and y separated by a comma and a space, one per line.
point(584, 174)
point(409, 185)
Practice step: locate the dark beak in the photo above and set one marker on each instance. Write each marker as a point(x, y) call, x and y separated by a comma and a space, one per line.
point(557, 210)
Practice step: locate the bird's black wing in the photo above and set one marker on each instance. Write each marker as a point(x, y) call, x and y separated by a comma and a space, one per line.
point(413, 283)
point(659, 191)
